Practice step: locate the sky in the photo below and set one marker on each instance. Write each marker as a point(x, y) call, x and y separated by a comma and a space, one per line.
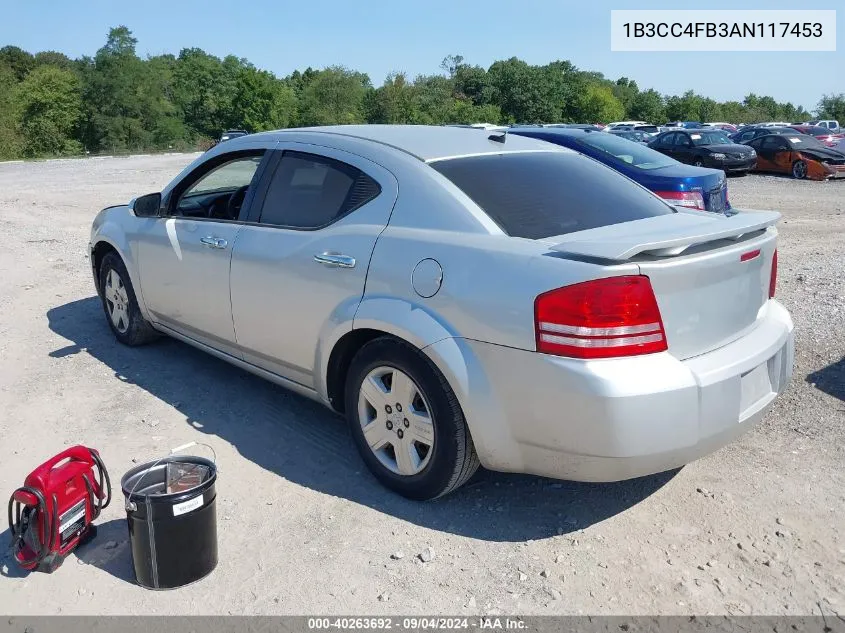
point(380, 36)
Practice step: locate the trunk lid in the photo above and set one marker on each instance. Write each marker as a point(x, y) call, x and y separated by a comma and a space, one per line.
point(710, 274)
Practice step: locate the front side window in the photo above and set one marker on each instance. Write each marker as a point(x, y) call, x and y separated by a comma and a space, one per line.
point(309, 191)
point(542, 194)
point(772, 142)
point(220, 191)
point(681, 140)
point(666, 140)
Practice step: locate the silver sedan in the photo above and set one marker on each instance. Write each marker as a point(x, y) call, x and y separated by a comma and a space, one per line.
point(462, 296)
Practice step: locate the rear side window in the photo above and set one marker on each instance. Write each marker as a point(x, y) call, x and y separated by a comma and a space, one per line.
point(541, 194)
point(309, 191)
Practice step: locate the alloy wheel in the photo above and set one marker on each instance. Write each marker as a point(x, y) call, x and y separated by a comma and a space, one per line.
point(396, 420)
point(117, 301)
point(799, 169)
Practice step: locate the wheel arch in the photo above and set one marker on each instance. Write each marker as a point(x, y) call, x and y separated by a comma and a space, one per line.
point(414, 325)
point(110, 238)
point(374, 317)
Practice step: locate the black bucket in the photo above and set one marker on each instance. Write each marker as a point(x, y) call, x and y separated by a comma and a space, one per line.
point(171, 513)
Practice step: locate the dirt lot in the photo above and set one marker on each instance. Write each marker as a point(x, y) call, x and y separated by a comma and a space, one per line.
point(756, 528)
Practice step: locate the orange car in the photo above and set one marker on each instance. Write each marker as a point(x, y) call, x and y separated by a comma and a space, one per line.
point(798, 154)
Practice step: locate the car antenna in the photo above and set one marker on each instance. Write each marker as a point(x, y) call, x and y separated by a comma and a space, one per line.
point(499, 138)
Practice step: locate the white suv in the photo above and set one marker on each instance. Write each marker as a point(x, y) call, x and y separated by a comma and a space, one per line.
point(831, 125)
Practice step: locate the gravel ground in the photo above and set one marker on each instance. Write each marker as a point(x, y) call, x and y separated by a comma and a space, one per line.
point(755, 528)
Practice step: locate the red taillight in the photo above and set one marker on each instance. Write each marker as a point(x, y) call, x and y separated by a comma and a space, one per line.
point(689, 199)
point(773, 280)
point(749, 255)
point(614, 316)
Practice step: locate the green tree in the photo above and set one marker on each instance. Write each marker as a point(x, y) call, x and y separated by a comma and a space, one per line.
point(20, 61)
point(334, 96)
point(686, 107)
point(626, 91)
point(395, 101)
point(50, 102)
point(598, 104)
point(832, 107)
point(52, 58)
point(262, 102)
point(10, 141)
point(204, 88)
point(648, 106)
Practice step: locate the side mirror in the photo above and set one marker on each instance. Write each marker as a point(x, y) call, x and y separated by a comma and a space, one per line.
point(147, 206)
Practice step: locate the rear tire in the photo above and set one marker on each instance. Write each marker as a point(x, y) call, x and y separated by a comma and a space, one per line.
point(120, 304)
point(444, 458)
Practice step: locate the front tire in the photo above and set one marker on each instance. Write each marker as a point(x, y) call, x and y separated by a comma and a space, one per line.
point(406, 421)
point(120, 304)
point(799, 169)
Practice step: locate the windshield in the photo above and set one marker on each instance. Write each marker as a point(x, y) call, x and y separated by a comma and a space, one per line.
point(709, 138)
point(634, 154)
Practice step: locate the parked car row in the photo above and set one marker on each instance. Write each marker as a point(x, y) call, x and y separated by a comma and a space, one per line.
point(786, 150)
point(681, 185)
point(465, 296)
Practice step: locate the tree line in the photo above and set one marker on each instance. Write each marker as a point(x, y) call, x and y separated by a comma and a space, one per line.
point(115, 101)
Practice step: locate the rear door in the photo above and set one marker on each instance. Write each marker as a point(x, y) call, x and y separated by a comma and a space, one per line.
point(682, 148)
point(302, 258)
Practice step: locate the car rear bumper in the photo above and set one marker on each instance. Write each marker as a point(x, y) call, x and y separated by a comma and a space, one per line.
point(615, 419)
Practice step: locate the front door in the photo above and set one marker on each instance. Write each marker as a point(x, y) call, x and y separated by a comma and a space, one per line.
point(301, 261)
point(184, 256)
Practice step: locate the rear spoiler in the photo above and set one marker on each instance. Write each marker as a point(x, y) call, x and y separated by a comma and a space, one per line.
point(662, 235)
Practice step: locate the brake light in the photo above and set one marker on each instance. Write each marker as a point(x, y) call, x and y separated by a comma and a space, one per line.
point(614, 316)
point(773, 279)
point(688, 199)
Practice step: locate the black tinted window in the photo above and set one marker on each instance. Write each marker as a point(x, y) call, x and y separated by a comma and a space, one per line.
point(309, 191)
point(537, 195)
point(772, 142)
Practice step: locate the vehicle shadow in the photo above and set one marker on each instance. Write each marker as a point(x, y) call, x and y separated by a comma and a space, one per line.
point(830, 379)
point(303, 442)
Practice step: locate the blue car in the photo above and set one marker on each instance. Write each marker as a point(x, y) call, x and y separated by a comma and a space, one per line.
point(682, 185)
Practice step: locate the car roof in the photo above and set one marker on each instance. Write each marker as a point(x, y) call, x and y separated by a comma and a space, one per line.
point(425, 142)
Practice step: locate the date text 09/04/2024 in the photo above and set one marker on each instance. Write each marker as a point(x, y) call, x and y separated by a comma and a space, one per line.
point(724, 29)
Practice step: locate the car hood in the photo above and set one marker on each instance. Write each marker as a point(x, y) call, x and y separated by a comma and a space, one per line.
point(732, 148)
point(823, 154)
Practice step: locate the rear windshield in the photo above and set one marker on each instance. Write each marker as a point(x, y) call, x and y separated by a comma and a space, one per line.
point(634, 154)
point(541, 194)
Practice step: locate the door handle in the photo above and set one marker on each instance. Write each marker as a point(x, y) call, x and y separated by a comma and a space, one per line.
point(213, 242)
point(335, 260)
